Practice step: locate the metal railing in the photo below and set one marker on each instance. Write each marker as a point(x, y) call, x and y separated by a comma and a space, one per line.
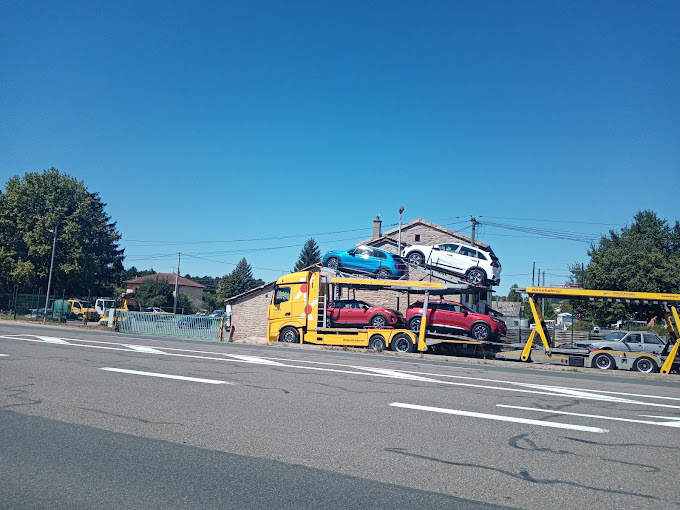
point(165, 324)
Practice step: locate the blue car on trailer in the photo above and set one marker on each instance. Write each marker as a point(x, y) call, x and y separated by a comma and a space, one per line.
point(366, 260)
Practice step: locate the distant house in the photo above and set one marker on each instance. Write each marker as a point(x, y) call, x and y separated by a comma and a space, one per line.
point(189, 287)
point(417, 231)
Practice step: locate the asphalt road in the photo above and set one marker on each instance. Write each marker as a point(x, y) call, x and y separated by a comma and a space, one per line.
point(92, 419)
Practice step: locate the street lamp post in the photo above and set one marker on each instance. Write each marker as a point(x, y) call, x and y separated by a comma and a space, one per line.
point(401, 210)
point(49, 279)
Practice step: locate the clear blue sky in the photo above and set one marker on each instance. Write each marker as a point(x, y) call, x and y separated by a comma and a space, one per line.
point(225, 130)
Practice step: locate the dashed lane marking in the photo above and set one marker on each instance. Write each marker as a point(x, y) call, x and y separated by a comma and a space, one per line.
point(165, 376)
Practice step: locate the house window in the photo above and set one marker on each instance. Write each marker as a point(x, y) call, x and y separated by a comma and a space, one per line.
point(417, 237)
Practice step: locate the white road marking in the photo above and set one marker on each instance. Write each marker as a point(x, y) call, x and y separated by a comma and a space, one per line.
point(675, 420)
point(53, 340)
point(675, 424)
point(4, 354)
point(297, 364)
point(397, 374)
point(145, 348)
point(255, 359)
point(165, 376)
point(498, 417)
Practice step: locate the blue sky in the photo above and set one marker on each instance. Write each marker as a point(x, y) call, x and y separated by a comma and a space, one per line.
point(224, 130)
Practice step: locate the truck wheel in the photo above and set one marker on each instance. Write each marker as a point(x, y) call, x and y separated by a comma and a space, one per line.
point(377, 343)
point(480, 331)
point(378, 321)
point(603, 362)
point(645, 365)
point(289, 335)
point(333, 263)
point(402, 343)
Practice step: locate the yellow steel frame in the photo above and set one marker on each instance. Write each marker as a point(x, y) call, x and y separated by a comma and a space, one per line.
point(538, 319)
point(672, 318)
point(673, 322)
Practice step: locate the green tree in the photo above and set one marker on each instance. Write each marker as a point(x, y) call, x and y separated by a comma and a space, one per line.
point(184, 304)
point(309, 255)
point(87, 255)
point(212, 302)
point(513, 295)
point(238, 281)
point(155, 292)
point(642, 257)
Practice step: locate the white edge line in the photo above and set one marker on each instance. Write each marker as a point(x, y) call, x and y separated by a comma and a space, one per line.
point(164, 376)
point(500, 418)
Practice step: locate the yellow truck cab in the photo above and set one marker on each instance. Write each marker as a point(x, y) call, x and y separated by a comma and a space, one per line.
point(297, 313)
point(80, 307)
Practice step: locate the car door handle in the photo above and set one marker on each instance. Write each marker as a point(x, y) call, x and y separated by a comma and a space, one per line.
point(287, 313)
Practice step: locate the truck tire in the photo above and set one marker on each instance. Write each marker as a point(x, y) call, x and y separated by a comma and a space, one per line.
point(377, 343)
point(289, 335)
point(645, 365)
point(402, 343)
point(603, 362)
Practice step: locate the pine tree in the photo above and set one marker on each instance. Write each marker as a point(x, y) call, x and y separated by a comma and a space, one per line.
point(309, 255)
point(238, 281)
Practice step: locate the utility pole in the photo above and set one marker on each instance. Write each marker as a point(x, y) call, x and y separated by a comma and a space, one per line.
point(533, 274)
point(542, 299)
point(401, 210)
point(474, 223)
point(49, 279)
point(583, 279)
point(174, 305)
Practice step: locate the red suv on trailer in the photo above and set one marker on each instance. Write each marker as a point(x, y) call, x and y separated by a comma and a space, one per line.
point(351, 312)
point(453, 317)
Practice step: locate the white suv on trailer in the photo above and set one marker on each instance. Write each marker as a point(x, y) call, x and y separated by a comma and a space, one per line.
point(478, 266)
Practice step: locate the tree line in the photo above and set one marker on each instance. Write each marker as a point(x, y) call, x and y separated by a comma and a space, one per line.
point(641, 257)
point(39, 207)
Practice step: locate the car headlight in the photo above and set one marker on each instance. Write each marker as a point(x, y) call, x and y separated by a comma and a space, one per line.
point(497, 320)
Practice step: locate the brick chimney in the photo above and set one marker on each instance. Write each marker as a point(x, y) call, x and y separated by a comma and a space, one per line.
point(377, 222)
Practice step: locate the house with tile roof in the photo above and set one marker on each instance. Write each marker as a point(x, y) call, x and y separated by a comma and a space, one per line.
point(184, 285)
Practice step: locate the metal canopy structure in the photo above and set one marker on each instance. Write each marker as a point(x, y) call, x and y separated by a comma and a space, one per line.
point(669, 301)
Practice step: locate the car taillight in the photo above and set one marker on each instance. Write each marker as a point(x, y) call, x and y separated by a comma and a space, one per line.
point(495, 264)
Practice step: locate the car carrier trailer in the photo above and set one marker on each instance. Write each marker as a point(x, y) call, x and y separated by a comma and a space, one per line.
point(665, 362)
point(297, 313)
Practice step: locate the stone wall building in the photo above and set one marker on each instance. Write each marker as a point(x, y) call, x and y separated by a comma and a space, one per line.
point(249, 313)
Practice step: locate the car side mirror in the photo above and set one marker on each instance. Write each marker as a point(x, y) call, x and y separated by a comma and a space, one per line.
point(435, 247)
point(352, 252)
